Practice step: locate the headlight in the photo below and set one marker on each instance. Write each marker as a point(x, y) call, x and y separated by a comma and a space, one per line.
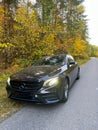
point(8, 81)
point(51, 82)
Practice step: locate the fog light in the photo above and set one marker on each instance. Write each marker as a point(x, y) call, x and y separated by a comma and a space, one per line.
point(36, 96)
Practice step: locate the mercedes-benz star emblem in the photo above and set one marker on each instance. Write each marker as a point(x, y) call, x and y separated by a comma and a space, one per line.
point(22, 86)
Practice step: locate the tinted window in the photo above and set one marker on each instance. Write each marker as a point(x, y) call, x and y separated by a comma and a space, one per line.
point(51, 60)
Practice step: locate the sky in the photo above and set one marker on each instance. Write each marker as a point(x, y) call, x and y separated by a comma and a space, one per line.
point(91, 10)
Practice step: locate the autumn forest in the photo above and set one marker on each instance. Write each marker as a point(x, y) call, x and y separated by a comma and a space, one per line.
point(30, 30)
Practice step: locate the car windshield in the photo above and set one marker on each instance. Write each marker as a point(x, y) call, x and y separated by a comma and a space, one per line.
point(50, 60)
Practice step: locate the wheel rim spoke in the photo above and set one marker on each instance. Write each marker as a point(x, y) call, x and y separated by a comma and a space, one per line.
point(66, 91)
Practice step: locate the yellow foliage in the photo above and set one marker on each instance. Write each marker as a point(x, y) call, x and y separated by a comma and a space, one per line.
point(80, 9)
point(46, 45)
point(78, 46)
point(1, 14)
point(6, 45)
point(50, 38)
point(1, 11)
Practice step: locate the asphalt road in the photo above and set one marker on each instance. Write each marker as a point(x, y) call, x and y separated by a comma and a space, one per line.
point(79, 113)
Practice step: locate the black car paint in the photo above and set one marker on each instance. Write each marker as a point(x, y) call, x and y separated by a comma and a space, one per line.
point(34, 76)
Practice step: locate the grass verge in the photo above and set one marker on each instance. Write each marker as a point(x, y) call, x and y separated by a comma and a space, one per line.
point(7, 106)
point(83, 61)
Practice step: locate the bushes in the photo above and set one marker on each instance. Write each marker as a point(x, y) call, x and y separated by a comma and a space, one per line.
point(31, 36)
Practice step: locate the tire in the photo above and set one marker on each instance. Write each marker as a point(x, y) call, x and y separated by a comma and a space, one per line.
point(65, 91)
point(78, 75)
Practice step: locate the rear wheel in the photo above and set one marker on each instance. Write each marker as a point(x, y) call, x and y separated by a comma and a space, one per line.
point(65, 91)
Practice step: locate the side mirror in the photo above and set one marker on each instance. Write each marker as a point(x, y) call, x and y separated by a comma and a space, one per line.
point(72, 63)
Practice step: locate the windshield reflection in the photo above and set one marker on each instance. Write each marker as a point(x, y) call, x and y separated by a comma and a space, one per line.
point(50, 60)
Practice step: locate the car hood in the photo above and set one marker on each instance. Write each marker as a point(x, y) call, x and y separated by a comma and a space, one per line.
point(35, 73)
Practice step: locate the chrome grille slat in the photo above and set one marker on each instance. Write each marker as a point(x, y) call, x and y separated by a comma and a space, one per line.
point(23, 85)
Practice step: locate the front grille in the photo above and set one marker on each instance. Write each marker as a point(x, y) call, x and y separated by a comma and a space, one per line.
point(23, 85)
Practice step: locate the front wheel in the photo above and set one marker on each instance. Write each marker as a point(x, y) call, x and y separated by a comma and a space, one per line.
point(65, 91)
point(78, 74)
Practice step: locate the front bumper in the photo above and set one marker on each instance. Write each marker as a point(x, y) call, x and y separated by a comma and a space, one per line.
point(42, 96)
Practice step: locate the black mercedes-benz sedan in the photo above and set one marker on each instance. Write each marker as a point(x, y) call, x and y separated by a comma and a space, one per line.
point(46, 81)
